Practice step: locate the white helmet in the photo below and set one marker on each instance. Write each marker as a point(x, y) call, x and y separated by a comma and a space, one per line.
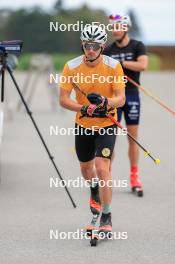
point(94, 33)
point(118, 19)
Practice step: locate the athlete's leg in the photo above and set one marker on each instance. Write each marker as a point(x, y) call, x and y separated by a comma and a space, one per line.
point(103, 172)
point(132, 117)
point(105, 145)
point(102, 168)
point(85, 149)
point(88, 170)
point(89, 173)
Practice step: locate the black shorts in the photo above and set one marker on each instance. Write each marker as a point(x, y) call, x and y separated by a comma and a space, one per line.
point(90, 144)
point(131, 109)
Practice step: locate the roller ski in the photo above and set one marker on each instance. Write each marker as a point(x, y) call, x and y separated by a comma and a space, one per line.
point(104, 232)
point(136, 185)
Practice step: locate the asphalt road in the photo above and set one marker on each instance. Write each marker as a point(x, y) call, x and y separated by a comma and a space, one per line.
point(29, 208)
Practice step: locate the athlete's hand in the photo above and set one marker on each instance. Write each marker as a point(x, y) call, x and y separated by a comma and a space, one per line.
point(93, 111)
point(97, 99)
point(100, 112)
point(88, 110)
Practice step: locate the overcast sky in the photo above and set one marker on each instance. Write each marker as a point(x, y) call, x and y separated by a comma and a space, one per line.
point(157, 17)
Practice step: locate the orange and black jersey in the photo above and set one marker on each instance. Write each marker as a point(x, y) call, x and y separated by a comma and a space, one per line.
point(105, 68)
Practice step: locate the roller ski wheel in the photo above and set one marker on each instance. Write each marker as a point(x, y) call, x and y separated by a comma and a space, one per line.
point(94, 241)
point(136, 185)
point(138, 191)
point(99, 235)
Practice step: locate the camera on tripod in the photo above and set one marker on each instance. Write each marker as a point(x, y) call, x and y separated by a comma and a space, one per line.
point(9, 51)
point(11, 46)
point(8, 61)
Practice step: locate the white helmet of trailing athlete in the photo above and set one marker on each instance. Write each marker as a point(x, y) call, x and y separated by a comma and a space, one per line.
point(94, 33)
point(118, 19)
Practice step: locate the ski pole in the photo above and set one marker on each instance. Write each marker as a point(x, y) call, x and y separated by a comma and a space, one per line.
point(148, 93)
point(146, 152)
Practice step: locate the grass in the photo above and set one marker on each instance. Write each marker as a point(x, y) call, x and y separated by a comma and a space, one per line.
point(24, 62)
point(154, 62)
point(60, 59)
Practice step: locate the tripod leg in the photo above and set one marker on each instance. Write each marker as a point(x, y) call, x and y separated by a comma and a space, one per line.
point(39, 133)
point(2, 75)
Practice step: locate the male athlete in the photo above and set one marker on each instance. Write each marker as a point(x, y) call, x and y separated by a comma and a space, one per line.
point(132, 56)
point(94, 149)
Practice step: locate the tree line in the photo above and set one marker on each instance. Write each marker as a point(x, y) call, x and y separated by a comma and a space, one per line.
point(33, 26)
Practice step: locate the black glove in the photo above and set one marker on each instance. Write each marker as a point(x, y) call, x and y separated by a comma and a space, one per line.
point(97, 99)
point(93, 111)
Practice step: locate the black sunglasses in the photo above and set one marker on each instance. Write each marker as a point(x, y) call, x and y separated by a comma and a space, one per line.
point(93, 46)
